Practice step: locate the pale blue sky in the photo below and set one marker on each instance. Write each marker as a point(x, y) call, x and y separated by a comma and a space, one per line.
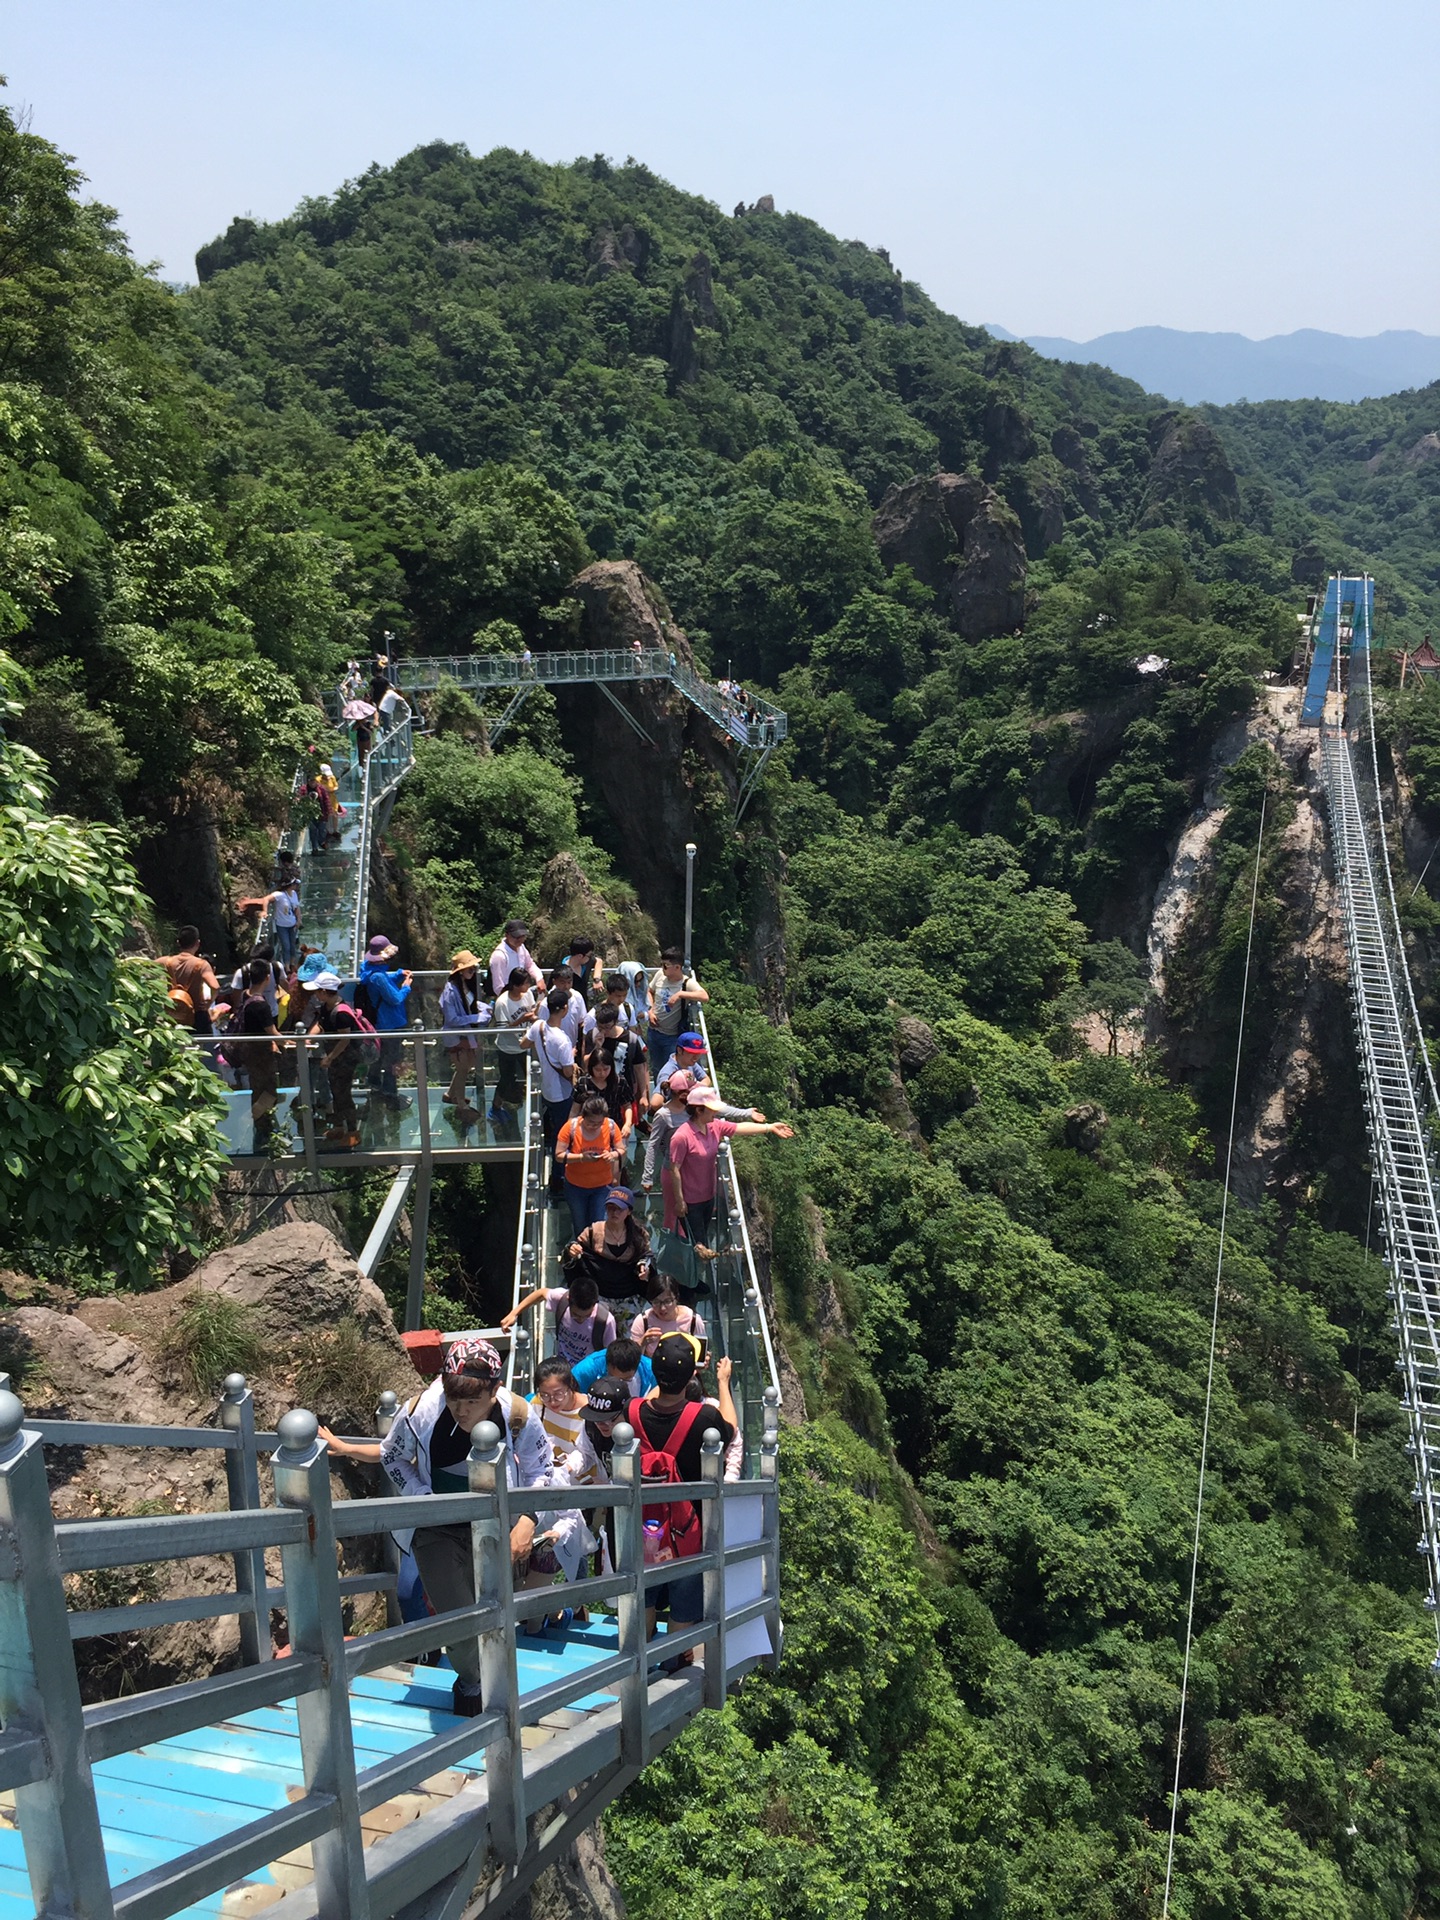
point(1058, 167)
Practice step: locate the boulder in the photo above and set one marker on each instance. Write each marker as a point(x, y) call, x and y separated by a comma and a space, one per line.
point(915, 1045)
point(1086, 1127)
point(297, 1277)
point(1425, 449)
point(960, 538)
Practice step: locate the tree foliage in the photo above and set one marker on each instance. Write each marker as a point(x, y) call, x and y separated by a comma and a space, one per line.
point(108, 1120)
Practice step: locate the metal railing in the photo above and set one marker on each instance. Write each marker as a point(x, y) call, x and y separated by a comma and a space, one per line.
point(398, 1085)
point(1395, 1072)
point(335, 882)
point(737, 1321)
point(749, 720)
point(51, 1742)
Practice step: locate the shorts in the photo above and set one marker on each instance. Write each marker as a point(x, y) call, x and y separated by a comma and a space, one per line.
point(682, 1599)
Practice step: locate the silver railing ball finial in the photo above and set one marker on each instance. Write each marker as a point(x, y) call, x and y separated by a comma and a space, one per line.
point(771, 1396)
point(12, 1417)
point(710, 1441)
point(297, 1430)
point(235, 1385)
point(484, 1436)
point(622, 1436)
point(388, 1401)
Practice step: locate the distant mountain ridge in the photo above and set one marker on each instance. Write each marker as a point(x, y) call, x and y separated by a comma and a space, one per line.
point(1225, 367)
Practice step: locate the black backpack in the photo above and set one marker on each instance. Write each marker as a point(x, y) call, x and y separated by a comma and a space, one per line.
point(362, 1001)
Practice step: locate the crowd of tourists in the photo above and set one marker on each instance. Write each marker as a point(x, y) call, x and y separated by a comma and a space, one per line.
point(631, 1122)
point(561, 1440)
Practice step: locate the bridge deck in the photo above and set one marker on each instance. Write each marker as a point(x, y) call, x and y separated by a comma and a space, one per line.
point(384, 1134)
point(160, 1801)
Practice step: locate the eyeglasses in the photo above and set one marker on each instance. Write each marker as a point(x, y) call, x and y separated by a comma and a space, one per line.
point(554, 1396)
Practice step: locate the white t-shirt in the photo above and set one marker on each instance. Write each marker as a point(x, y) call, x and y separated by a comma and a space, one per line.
point(513, 1011)
point(505, 959)
point(574, 1017)
point(553, 1049)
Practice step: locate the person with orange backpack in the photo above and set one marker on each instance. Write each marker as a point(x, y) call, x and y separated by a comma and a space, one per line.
point(671, 1430)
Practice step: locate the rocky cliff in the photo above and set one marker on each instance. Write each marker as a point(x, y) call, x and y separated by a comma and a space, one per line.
point(960, 539)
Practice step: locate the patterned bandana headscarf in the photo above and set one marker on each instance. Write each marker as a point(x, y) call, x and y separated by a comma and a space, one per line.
point(476, 1357)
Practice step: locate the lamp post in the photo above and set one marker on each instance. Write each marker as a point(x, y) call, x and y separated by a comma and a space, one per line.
point(690, 895)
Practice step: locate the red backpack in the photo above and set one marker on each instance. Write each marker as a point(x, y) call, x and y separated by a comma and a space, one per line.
point(678, 1520)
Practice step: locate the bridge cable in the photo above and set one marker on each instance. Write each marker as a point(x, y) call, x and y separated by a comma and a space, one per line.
point(1210, 1371)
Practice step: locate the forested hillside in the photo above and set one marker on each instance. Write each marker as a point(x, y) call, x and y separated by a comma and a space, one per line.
point(422, 406)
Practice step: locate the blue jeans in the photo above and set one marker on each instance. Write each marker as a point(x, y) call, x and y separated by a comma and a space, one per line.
point(587, 1204)
point(286, 941)
point(662, 1049)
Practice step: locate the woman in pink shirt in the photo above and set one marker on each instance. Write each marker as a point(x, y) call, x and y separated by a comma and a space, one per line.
point(692, 1173)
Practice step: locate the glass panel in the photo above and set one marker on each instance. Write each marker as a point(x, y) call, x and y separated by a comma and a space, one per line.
point(397, 1087)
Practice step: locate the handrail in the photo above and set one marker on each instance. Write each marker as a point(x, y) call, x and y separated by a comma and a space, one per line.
point(51, 1742)
point(769, 726)
point(1388, 1040)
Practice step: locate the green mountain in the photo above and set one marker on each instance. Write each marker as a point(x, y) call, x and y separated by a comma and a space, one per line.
point(422, 406)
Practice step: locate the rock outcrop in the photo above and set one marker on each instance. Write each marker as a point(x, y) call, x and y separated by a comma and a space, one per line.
point(676, 785)
point(1281, 1123)
point(126, 1357)
point(960, 538)
point(1189, 473)
point(568, 905)
point(622, 251)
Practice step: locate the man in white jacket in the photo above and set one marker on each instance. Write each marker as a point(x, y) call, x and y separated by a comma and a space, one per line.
point(426, 1451)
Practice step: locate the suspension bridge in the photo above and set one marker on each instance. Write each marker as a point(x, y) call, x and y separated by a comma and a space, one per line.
point(1401, 1103)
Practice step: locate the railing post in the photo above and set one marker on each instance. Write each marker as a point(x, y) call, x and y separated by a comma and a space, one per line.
point(770, 1494)
point(242, 1483)
point(419, 1238)
point(312, 1605)
point(40, 1692)
point(305, 1087)
point(712, 1540)
point(630, 1554)
point(499, 1680)
point(385, 1411)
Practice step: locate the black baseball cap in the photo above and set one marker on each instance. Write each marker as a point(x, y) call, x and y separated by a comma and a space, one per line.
point(608, 1396)
point(675, 1361)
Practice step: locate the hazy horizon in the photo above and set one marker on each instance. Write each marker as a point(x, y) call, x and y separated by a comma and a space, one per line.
point(1091, 171)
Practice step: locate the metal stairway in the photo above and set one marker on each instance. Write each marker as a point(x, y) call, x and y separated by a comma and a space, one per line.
point(1399, 1087)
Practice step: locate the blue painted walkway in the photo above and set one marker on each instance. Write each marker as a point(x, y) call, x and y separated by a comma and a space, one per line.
point(160, 1801)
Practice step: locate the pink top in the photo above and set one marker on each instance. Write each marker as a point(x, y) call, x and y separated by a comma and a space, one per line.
point(694, 1154)
point(685, 1320)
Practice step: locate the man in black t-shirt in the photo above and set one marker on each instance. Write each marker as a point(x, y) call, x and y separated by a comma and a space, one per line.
point(676, 1363)
point(259, 1053)
point(338, 1061)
